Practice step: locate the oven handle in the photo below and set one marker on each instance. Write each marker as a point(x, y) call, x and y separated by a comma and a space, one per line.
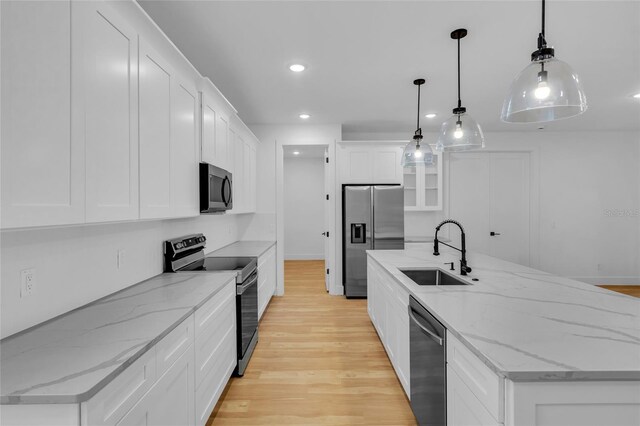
point(241, 289)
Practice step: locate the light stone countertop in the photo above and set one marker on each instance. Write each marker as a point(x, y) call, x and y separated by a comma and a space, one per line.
point(243, 249)
point(71, 357)
point(525, 324)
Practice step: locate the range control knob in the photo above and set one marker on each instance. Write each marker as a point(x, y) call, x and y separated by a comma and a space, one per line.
point(179, 245)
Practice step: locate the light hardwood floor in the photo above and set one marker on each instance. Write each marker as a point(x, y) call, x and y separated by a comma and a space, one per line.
point(318, 361)
point(631, 290)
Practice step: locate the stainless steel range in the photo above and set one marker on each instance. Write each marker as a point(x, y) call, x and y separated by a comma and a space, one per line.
point(186, 254)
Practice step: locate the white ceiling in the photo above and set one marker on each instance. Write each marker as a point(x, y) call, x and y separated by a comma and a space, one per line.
point(362, 57)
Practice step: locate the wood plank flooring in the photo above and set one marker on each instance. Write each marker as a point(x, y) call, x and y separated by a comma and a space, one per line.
point(631, 290)
point(318, 361)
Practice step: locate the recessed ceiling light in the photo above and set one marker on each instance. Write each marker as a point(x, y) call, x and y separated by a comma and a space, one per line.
point(297, 67)
point(431, 115)
point(304, 116)
point(637, 96)
point(296, 152)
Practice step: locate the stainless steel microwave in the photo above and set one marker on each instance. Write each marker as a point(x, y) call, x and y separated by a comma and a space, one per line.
point(215, 189)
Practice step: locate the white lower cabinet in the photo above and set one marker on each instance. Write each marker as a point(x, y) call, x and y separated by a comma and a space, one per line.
point(177, 382)
point(266, 279)
point(388, 309)
point(463, 408)
point(170, 400)
point(215, 355)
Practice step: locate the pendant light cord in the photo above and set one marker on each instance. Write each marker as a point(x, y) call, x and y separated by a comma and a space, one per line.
point(542, 41)
point(418, 114)
point(459, 101)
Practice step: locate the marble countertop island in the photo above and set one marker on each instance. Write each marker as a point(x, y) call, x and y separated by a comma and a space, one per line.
point(525, 324)
point(243, 249)
point(70, 358)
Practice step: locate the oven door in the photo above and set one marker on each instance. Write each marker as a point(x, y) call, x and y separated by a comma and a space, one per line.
point(247, 306)
point(215, 189)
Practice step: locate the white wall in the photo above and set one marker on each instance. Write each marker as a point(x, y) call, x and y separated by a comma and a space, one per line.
point(580, 176)
point(77, 264)
point(303, 208)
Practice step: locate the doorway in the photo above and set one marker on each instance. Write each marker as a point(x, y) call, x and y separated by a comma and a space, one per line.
point(305, 211)
point(304, 202)
point(490, 194)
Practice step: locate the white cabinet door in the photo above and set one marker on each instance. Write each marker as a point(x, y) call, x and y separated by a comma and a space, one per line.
point(184, 149)
point(249, 185)
point(110, 87)
point(356, 164)
point(463, 408)
point(169, 401)
point(209, 121)
point(155, 99)
point(172, 397)
point(423, 186)
point(386, 164)
point(253, 176)
point(363, 162)
point(222, 141)
point(42, 161)
point(266, 279)
point(215, 130)
point(239, 195)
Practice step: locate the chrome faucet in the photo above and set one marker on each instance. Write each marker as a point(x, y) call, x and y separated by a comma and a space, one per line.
point(463, 262)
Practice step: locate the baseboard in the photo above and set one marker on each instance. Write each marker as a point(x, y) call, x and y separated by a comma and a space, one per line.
point(608, 280)
point(303, 256)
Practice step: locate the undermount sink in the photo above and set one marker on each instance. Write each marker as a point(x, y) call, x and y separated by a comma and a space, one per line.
point(432, 277)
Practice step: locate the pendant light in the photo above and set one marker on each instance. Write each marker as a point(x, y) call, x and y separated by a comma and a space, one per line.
point(546, 90)
point(415, 153)
point(460, 132)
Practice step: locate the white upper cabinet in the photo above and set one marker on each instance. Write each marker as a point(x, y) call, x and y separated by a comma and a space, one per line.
point(370, 162)
point(156, 93)
point(42, 163)
point(244, 167)
point(102, 119)
point(110, 86)
point(215, 128)
point(184, 148)
point(423, 186)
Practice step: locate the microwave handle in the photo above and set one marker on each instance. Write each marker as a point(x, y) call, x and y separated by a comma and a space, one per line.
point(226, 182)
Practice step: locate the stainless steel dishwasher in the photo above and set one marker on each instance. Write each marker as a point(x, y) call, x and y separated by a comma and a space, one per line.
point(428, 366)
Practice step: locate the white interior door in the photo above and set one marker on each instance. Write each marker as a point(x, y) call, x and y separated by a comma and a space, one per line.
point(490, 193)
point(328, 212)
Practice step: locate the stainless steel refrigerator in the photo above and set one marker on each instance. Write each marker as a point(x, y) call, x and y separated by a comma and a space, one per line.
point(372, 219)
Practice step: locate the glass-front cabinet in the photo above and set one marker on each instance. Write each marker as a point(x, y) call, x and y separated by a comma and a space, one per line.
point(423, 186)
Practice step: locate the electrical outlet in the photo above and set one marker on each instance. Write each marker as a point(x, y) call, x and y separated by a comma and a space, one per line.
point(120, 258)
point(27, 282)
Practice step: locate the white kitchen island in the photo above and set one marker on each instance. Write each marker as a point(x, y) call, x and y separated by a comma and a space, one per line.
point(523, 347)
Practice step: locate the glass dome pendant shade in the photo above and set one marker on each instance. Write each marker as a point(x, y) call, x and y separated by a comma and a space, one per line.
point(546, 90)
point(415, 153)
point(460, 132)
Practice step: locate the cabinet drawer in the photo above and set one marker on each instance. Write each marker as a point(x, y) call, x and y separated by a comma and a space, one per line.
point(213, 381)
point(109, 405)
point(214, 327)
point(174, 344)
point(486, 385)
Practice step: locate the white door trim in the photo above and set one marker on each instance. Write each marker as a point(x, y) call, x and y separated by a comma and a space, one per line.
point(279, 146)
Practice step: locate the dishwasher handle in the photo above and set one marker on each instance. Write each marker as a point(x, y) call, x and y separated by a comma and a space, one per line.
point(439, 340)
